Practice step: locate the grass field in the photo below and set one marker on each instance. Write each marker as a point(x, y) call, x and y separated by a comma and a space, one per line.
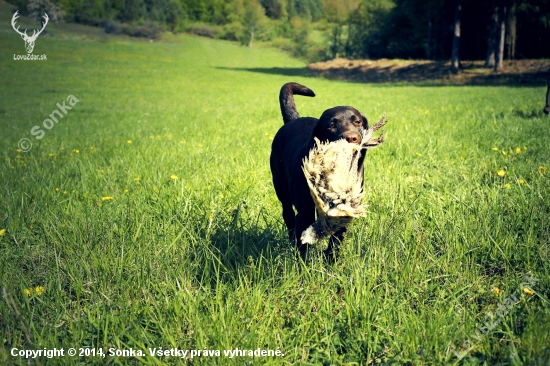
point(146, 218)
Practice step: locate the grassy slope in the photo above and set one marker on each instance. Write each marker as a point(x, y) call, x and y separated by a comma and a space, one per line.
point(202, 261)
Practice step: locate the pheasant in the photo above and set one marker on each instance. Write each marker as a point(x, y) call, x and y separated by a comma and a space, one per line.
point(331, 171)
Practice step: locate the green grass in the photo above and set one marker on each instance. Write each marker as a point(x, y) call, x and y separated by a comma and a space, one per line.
point(202, 261)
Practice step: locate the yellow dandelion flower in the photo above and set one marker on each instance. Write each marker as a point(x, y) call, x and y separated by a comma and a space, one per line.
point(136, 179)
point(19, 157)
point(182, 142)
point(125, 191)
point(76, 151)
point(64, 192)
point(155, 189)
point(57, 189)
point(30, 226)
point(507, 186)
point(2, 232)
point(497, 291)
point(221, 195)
point(542, 169)
point(501, 173)
point(18, 150)
point(91, 147)
point(174, 177)
point(106, 198)
point(495, 148)
point(418, 154)
point(522, 182)
point(51, 154)
point(528, 291)
point(27, 292)
point(518, 150)
point(503, 152)
point(129, 141)
point(39, 290)
point(525, 148)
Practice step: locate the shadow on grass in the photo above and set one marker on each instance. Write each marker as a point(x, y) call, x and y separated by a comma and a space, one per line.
point(530, 114)
point(240, 240)
point(422, 75)
point(286, 71)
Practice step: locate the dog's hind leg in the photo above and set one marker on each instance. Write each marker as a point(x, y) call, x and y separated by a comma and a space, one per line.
point(290, 219)
point(289, 216)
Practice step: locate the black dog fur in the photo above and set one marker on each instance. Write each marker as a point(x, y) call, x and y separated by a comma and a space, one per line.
point(291, 144)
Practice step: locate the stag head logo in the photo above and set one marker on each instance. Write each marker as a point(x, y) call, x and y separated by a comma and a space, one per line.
point(29, 40)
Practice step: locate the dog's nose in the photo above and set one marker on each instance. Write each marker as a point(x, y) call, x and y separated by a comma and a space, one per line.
point(353, 138)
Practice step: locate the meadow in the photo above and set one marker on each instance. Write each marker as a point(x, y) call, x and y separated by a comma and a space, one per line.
point(146, 217)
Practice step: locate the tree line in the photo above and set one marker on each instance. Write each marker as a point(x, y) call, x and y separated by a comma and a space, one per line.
point(490, 30)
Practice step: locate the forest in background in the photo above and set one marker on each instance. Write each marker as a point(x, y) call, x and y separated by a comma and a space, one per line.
point(318, 30)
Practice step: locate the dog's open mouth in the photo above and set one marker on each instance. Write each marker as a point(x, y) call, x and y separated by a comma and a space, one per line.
point(332, 174)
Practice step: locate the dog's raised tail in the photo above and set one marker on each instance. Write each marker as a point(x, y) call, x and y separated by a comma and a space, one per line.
point(286, 100)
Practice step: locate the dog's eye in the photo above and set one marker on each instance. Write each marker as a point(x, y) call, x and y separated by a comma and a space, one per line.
point(332, 125)
point(357, 122)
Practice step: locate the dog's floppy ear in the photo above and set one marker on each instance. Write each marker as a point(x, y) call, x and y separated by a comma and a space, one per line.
point(365, 122)
point(319, 132)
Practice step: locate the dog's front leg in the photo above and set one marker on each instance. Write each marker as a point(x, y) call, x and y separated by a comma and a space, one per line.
point(304, 219)
point(331, 253)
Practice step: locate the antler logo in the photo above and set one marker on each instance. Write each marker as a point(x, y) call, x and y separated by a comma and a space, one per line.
point(29, 40)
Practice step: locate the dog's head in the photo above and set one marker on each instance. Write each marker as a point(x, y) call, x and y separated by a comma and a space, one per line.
point(341, 123)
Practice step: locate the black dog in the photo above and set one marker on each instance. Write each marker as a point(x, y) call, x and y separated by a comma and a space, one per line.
point(292, 143)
